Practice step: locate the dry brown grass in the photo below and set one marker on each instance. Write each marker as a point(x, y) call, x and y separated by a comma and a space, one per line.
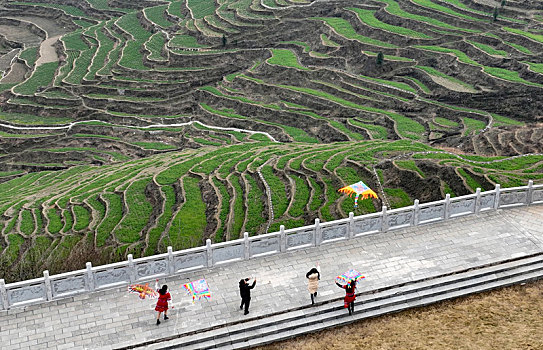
point(505, 319)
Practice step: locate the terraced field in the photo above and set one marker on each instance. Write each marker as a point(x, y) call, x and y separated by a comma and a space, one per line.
point(159, 123)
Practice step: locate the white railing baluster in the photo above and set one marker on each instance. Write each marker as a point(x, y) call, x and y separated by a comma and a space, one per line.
point(4, 295)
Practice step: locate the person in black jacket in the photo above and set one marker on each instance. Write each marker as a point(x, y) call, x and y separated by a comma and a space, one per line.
point(245, 292)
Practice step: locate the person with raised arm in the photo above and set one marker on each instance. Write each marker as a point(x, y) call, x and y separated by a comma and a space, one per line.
point(162, 303)
point(313, 276)
point(350, 295)
point(245, 292)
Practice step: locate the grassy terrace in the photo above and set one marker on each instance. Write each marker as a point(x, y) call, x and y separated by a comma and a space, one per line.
point(407, 127)
point(190, 222)
point(394, 8)
point(128, 230)
point(131, 55)
point(127, 188)
point(367, 17)
point(41, 77)
point(437, 73)
point(286, 58)
point(105, 46)
point(156, 15)
point(529, 35)
point(201, 8)
point(154, 45)
point(494, 71)
point(29, 55)
point(431, 5)
point(30, 119)
point(488, 49)
point(344, 28)
point(297, 134)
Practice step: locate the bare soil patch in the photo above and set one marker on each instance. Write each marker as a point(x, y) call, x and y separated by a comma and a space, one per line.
point(20, 34)
point(47, 51)
point(5, 60)
point(508, 318)
point(51, 27)
point(451, 85)
point(16, 74)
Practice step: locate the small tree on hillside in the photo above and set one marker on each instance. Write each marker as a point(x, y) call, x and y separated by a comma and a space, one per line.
point(495, 14)
point(503, 3)
point(223, 40)
point(380, 58)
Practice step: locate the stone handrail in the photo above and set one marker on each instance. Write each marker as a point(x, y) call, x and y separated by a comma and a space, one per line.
point(94, 278)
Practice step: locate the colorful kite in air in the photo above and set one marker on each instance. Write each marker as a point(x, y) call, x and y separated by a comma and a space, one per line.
point(143, 290)
point(197, 289)
point(348, 276)
point(360, 189)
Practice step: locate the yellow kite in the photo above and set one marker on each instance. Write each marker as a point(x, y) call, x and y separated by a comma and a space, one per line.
point(360, 189)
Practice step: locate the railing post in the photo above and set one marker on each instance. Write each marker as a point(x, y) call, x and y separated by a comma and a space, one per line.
point(209, 253)
point(131, 268)
point(530, 193)
point(351, 225)
point(48, 289)
point(4, 295)
point(89, 277)
point(477, 207)
point(384, 219)
point(282, 239)
point(447, 211)
point(318, 233)
point(497, 197)
point(171, 263)
point(246, 246)
point(416, 213)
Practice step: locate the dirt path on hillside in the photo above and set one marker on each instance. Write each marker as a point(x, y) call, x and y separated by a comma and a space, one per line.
point(47, 51)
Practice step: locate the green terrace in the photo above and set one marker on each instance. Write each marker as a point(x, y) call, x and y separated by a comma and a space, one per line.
point(394, 8)
point(500, 73)
point(367, 17)
point(343, 28)
point(318, 85)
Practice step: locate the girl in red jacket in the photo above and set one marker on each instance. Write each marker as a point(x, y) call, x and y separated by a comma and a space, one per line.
point(350, 295)
point(162, 303)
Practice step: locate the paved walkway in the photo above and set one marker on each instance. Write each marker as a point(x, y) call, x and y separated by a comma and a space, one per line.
point(112, 318)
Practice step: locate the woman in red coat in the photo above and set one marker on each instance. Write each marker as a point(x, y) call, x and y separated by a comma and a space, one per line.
point(162, 303)
point(350, 295)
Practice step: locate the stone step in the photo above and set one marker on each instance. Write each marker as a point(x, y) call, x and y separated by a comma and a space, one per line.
point(364, 314)
point(330, 311)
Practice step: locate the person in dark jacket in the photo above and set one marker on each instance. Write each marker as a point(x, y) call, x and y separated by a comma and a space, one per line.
point(245, 292)
point(350, 295)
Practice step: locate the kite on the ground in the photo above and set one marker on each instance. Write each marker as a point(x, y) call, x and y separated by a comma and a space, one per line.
point(348, 276)
point(197, 289)
point(360, 189)
point(143, 290)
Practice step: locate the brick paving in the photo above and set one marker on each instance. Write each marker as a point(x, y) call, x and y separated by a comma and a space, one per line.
point(113, 318)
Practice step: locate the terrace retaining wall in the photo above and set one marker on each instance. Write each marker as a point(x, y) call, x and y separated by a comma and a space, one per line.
point(63, 285)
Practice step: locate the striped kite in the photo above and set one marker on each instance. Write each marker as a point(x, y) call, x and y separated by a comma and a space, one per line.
point(360, 189)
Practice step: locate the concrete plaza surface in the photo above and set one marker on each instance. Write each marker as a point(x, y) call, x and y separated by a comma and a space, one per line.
point(113, 318)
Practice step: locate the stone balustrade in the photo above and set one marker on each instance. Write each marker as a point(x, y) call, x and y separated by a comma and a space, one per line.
point(140, 270)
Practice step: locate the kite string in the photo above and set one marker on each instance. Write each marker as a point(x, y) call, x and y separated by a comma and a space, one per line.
point(381, 187)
